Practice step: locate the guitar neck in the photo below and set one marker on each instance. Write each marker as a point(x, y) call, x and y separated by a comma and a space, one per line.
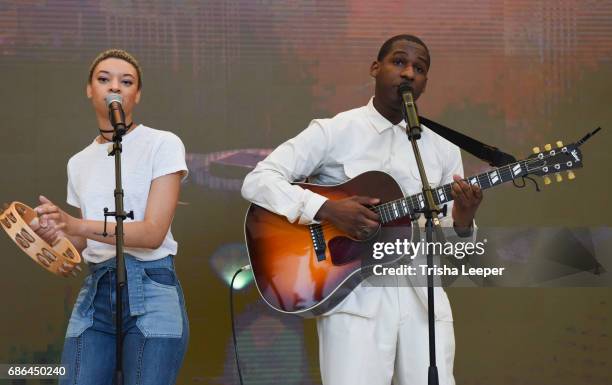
point(393, 210)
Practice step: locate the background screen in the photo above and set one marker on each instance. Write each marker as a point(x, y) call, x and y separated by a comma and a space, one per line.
point(237, 78)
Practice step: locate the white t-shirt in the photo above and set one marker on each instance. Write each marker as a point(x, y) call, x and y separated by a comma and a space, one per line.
point(147, 154)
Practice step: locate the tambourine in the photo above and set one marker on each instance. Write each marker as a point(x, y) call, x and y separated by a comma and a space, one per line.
point(62, 258)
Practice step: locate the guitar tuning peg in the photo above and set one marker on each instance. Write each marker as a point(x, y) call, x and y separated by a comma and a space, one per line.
point(559, 143)
point(558, 177)
point(547, 180)
point(548, 147)
point(536, 150)
point(571, 175)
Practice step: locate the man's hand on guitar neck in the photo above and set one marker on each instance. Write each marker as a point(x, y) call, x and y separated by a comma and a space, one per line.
point(467, 199)
point(351, 215)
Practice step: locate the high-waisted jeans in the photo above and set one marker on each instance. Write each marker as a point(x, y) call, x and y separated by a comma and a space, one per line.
point(155, 326)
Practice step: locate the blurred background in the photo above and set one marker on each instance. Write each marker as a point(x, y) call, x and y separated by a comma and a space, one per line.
point(235, 78)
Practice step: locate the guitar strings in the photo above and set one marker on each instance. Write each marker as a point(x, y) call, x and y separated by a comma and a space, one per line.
point(388, 208)
point(505, 171)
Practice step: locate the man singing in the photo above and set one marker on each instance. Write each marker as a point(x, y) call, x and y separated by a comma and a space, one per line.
point(377, 334)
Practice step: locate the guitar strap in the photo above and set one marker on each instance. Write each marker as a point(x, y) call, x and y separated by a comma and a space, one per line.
point(489, 154)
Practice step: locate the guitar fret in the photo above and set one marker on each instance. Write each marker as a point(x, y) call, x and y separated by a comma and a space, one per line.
point(500, 175)
point(389, 213)
point(474, 181)
point(408, 202)
point(435, 196)
point(449, 194)
point(506, 174)
point(383, 213)
point(405, 207)
point(494, 177)
point(484, 181)
point(394, 205)
point(421, 200)
point(414, 201)
point(441, 194)
point(393, 210)
point(517, 170)
point(525, 167)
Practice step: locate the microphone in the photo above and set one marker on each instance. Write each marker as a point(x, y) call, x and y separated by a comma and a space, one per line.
point(115, 112)
point(412, 119)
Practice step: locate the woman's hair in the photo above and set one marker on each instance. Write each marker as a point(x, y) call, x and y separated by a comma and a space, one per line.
point(117, 54)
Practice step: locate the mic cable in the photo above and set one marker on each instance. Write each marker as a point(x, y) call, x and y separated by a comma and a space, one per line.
point(243, 268)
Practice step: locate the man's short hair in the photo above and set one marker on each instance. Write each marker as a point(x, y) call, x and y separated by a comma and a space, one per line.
point(117, 54)
point(386, 47)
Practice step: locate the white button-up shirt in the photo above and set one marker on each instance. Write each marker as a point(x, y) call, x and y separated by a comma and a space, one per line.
point(331, 151)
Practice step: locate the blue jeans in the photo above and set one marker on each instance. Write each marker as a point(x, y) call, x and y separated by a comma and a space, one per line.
point(155, 326)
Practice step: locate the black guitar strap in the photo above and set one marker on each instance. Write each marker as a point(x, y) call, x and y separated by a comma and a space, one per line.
point(489, 154)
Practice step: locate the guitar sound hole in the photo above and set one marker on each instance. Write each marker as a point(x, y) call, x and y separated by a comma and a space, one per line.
point(344, 250)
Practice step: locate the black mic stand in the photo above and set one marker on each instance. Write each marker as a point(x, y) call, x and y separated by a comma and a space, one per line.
point(431, 211)
point(120, 215)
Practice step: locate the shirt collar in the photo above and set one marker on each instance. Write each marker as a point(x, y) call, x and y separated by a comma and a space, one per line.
point(379, 122)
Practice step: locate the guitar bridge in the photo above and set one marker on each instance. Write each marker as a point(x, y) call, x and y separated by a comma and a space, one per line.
point(318, 241)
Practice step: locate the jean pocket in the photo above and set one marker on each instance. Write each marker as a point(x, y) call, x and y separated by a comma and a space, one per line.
point(163, 310)
point(161, 275)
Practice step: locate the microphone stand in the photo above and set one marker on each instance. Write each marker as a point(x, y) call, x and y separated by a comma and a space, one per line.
point(120, 215)
point(431, 211)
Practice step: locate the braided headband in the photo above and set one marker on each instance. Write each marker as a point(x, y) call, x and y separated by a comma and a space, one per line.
point(62, 258)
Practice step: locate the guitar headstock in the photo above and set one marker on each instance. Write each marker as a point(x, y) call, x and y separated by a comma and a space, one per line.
point(554, 161)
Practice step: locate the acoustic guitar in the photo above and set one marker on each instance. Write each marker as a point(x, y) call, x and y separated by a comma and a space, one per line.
point(306, 270)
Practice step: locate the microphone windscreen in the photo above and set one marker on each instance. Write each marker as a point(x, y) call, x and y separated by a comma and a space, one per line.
point(404, 87)
point(110, 98)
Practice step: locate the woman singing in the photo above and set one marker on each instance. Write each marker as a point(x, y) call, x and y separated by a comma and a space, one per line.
point(155, 326)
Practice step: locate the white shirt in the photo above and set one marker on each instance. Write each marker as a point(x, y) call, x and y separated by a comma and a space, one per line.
point(331, 151)
point(147, 154)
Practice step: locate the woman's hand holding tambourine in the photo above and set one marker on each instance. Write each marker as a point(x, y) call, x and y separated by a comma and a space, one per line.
point(53, 223)
point(41, 233)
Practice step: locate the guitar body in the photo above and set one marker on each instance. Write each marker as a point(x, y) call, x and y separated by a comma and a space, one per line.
point(292, 276)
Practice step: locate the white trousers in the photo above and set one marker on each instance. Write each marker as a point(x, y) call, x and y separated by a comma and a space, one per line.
point(391, 347)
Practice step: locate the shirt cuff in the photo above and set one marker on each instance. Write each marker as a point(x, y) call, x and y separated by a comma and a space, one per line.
point(312, 206)
point(463, 232)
